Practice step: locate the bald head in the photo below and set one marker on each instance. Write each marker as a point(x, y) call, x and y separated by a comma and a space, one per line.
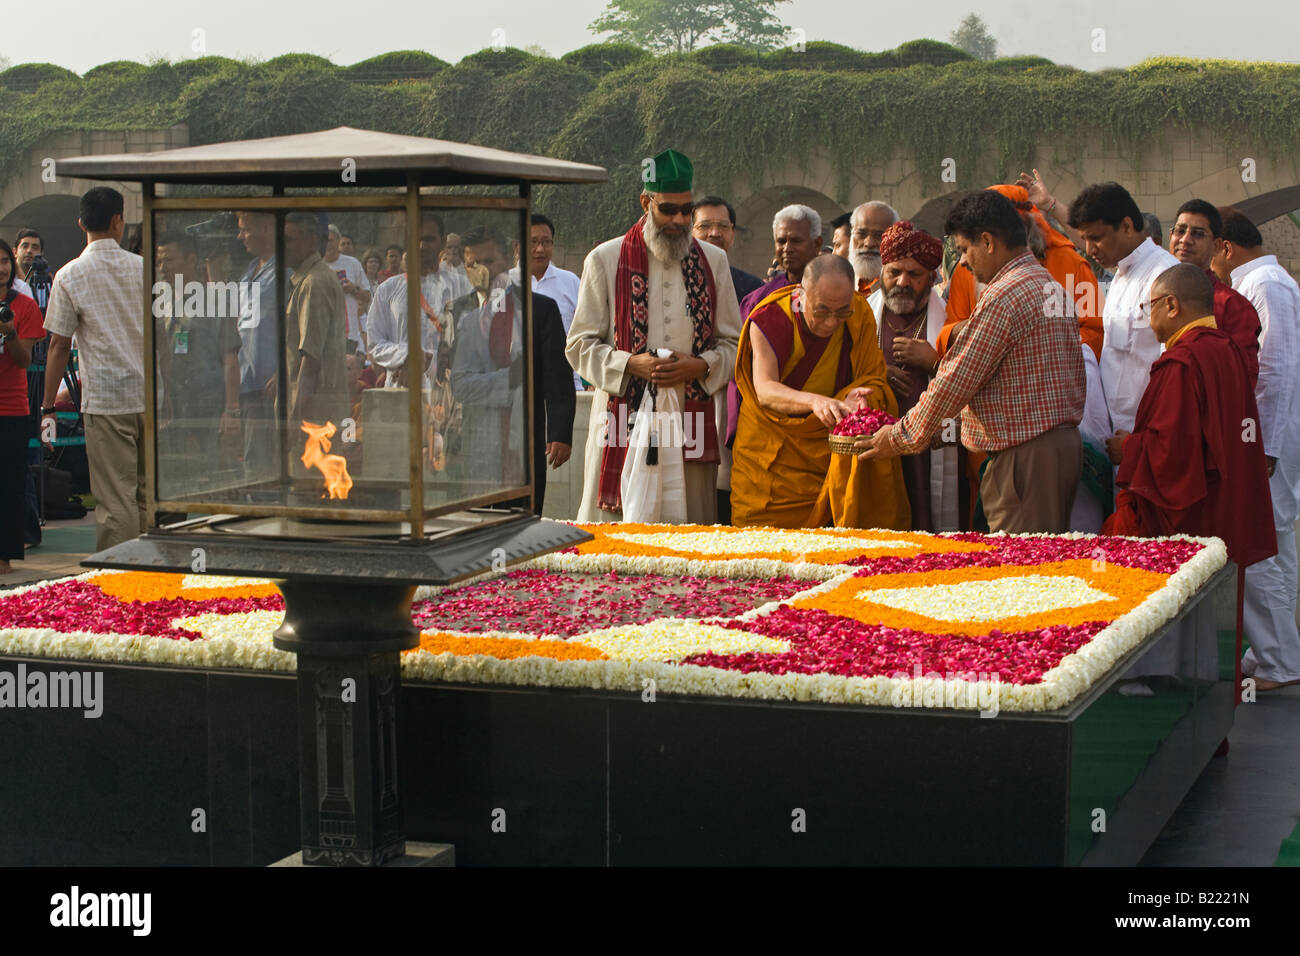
point(827, 294)
point(827, 265)
point(1192, 294)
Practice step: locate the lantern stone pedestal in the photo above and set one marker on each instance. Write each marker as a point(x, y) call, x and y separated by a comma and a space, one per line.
point(348, 618)
point(348, 642)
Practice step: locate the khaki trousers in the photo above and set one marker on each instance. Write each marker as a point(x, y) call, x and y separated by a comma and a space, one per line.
point(1029, 488)
point(115, 450)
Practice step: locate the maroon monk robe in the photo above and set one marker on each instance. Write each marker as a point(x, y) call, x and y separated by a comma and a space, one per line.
point(1234, 314)
point(1191, 466)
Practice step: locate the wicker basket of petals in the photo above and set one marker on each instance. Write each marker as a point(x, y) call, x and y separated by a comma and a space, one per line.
point(861, 424)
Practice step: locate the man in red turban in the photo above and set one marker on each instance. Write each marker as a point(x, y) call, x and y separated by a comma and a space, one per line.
point(911, 316)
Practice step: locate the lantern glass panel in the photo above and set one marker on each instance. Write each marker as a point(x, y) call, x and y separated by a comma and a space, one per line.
point(476, 404)
point(260, 362)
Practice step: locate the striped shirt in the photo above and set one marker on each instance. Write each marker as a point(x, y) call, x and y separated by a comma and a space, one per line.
point(1014, 369)
point(99, 297)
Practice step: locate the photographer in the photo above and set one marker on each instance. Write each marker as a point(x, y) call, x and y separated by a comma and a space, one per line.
point(29, 249)
point(20, 329)
point(32, 267)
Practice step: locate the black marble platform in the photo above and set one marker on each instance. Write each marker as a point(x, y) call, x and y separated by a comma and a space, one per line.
point(563, 777)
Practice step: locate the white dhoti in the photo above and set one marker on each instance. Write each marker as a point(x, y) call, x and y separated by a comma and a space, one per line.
point(701, 480)
point(1270, 605)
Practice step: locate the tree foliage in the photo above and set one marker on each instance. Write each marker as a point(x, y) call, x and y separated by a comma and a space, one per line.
point(680, 26)
point(972, 35)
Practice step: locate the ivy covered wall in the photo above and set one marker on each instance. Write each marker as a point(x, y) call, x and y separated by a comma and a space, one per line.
point(744, 116)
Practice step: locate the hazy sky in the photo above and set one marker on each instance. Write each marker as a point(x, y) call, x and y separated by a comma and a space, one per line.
point(79, 34)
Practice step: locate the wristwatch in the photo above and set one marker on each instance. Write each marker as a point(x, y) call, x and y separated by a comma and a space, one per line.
point(47, 411)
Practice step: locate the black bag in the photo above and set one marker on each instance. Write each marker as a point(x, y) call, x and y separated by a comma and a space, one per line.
point(59, 503)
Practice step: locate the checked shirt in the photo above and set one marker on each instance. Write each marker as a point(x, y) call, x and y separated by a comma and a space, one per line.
point(1013, 371)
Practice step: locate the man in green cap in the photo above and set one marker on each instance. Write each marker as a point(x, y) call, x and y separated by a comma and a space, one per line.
point(651, 292)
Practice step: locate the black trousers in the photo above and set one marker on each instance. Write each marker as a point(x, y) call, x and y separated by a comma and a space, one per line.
point(14, 430)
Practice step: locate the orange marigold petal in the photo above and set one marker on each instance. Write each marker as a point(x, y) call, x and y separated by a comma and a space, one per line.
point(508, 648)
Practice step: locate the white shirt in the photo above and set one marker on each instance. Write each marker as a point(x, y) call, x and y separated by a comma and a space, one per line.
point(22, 288)
point(456, 279)
point(355, 274)
point(1276, 298)
point(1130, 346)
point(562, 286)
point(386, 320)
point(99, 297)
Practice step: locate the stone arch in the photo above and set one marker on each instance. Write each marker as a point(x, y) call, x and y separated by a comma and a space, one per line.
point(36, 179)
point(752, 250)
point(54, 216)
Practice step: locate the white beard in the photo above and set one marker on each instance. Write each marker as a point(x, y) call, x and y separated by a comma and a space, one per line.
point(668, 250)
point(866, 266)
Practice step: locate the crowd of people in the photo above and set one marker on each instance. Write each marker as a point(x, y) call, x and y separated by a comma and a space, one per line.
point(1046, 365)
point(1051, 368)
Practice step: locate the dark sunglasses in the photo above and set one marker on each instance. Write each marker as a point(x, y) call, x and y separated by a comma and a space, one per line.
point(670, 209)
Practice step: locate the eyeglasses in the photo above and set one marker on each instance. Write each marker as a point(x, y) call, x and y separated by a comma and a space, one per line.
point(1147, 307)
point(544, 243)
point(672, 209)
point(1193, 231)
point(704, 225)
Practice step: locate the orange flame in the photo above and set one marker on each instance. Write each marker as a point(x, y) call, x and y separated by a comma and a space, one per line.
point(335, 469)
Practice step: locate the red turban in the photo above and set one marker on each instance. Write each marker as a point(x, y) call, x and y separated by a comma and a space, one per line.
point(902, 240)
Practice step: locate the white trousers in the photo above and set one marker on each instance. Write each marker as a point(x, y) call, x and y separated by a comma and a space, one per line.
point(1270, 601)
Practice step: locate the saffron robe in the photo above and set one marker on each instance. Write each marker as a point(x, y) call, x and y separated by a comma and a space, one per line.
point(1191, 466)
point(783, 473)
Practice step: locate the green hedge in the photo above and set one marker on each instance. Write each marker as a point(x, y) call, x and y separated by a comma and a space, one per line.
point(29, 77)
point(396, 67)
point(597, 59)
point(740, 114)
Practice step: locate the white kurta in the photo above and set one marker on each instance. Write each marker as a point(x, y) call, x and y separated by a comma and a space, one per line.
point(1270, 597)
point(1087, 513)
point(944, 462)
point(590, 350)
point(1130, 346)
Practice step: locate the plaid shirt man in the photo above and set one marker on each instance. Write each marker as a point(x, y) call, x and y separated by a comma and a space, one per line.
point(99, 298)
point(1014, 371)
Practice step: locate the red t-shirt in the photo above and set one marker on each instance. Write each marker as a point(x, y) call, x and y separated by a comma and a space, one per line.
point(28, 324)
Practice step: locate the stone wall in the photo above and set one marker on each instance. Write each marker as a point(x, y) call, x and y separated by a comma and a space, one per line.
point(1178, 165)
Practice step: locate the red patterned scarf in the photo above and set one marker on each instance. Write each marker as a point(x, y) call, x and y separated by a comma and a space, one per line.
point(631, 308)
